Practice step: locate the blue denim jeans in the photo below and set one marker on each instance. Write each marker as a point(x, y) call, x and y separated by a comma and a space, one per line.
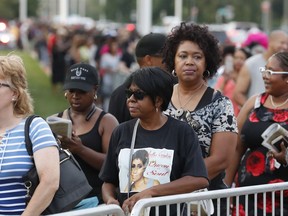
point(87, 203)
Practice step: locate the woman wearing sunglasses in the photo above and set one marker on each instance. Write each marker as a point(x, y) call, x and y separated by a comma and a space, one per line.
point(175, 158)
point(259, 112)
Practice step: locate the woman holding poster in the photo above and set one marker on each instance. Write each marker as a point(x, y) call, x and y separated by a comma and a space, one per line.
point(175, 159)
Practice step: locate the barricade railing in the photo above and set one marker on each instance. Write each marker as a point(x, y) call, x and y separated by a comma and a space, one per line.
point(217, 196)
point(101, 210)
point(198, 199)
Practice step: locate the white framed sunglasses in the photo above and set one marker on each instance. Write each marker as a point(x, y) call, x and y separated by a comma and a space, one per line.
point(268, 73)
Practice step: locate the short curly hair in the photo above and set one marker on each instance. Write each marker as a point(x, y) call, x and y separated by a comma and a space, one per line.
point(197, 34)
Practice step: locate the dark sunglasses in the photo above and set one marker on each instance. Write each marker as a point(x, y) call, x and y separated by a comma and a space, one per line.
point(138, 95)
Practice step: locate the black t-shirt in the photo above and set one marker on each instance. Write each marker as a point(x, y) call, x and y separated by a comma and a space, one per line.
point(128, 59)
point(117, 104)
point(173, 152)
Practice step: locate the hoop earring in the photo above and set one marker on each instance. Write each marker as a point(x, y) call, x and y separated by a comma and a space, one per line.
point(208, 74)
point(174, 73)
point(65, 95)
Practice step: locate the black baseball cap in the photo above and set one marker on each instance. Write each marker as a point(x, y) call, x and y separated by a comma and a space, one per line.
point(81, 76)
point(150, 44)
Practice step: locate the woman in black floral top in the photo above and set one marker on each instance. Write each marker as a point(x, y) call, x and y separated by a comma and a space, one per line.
point(192, 54)
point(259, 112)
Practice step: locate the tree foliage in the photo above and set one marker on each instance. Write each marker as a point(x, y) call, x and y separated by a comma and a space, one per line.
point(244, 10)
point(124, 10)
point(9, 9)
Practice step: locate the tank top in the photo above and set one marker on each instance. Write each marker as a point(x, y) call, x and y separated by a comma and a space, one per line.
point(92, 140)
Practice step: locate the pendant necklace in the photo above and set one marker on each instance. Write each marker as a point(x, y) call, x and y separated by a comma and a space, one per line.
point(277, 105)
point(190, 98)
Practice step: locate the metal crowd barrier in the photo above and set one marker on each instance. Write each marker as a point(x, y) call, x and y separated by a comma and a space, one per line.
point(197, 198)
point(217, 195)
point(101, 210)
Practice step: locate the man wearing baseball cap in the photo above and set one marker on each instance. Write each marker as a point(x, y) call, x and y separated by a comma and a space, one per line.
point(148, 53)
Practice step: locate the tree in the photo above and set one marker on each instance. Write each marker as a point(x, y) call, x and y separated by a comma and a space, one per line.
point(9, 9)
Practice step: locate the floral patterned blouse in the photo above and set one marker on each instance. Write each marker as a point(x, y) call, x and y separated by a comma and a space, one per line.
point(256, 168)
point(214, 113)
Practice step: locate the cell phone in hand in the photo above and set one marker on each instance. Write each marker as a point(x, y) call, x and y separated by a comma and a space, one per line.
point(228, 64)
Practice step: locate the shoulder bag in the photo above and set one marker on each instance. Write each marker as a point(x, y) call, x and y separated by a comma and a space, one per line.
point(73, 185)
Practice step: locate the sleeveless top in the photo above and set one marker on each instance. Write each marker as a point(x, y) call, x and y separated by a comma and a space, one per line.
point(256, 167)
point(259, 119)
point(214, 113)
point(92, 140)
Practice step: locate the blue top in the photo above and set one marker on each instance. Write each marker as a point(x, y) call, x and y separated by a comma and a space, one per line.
point(15, 162)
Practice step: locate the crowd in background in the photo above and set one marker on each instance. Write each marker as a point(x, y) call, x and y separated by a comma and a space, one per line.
point(112, 52)
point(57, 47)
point(231, 70)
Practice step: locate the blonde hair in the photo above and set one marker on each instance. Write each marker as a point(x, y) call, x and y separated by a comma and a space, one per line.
point(12, 69)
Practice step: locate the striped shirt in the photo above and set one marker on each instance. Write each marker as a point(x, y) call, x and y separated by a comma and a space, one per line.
point(15, 162)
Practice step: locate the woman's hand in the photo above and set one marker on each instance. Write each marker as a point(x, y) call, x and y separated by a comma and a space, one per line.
point(130, 202)
point(74, 144)
point(113, 201)
point(280, 156)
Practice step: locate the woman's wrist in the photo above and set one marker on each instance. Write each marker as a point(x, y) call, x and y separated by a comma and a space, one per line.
point(286, 157)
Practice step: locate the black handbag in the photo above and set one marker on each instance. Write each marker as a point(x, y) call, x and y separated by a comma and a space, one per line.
point(73, 185)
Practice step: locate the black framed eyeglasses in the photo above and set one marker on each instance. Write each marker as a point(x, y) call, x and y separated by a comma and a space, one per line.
point(4, 84)
point(138, 95)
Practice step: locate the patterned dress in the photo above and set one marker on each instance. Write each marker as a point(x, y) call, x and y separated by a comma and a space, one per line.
point(214, 113)
point(256, 168)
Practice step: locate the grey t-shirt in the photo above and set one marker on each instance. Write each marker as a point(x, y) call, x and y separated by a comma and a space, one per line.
point(256, 81)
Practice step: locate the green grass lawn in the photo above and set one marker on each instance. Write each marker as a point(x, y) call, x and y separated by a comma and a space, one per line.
point(46, 102)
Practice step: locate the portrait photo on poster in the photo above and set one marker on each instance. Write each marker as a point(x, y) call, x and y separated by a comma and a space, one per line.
point(149, 167)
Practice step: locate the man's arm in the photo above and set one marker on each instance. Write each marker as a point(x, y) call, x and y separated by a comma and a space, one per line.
point(242, 86)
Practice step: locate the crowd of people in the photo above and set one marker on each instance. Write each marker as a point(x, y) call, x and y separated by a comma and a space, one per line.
point(165, 128)
point(58, 47)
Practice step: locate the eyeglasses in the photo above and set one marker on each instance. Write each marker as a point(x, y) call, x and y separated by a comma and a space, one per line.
point(268, 73)
point(138, 95)
point(4, 84)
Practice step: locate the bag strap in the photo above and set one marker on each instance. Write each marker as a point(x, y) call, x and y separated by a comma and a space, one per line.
point(28, 142)
point(131, 153)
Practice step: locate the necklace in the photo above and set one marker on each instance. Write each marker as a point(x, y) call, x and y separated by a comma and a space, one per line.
point(88, 116)
point(190, 98)
point(277, 105)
